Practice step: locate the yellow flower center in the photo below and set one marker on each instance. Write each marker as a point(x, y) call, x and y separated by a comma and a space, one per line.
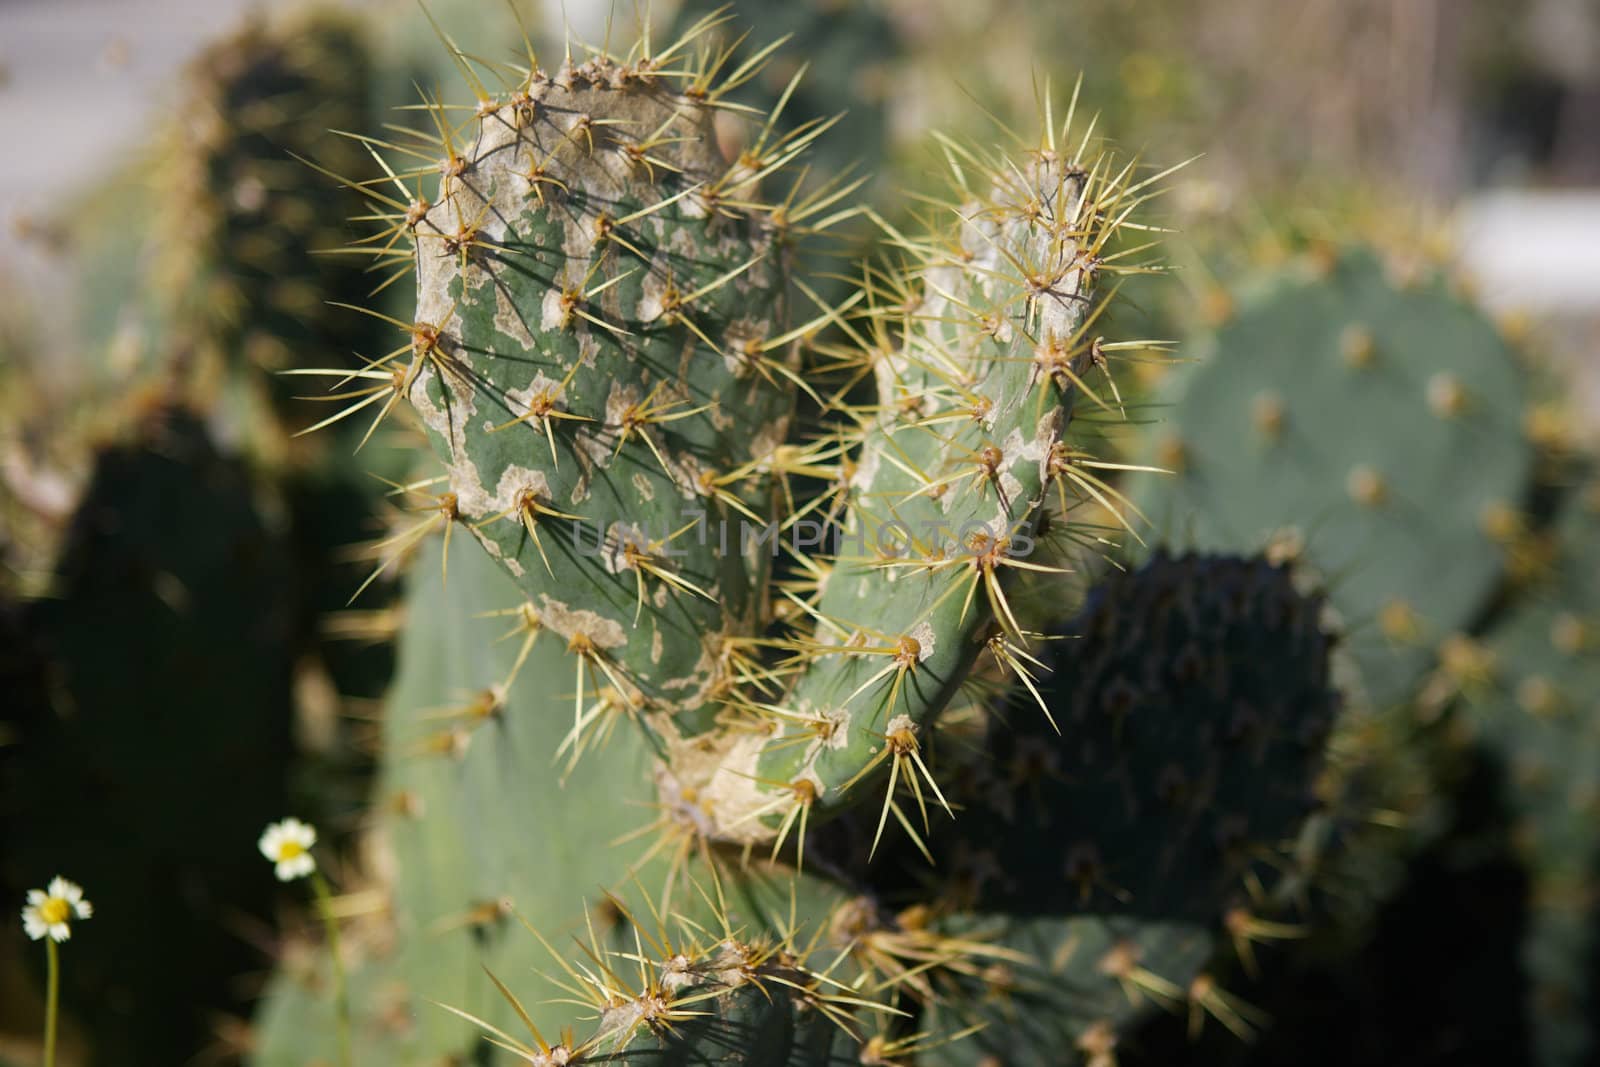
point(288, 850)
point(55, 910)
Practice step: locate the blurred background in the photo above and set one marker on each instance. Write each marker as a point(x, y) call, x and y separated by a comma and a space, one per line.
point(155, 228)
point(1487, 113)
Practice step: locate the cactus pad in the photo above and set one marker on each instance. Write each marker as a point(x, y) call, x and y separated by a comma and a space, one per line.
point(1376, 428)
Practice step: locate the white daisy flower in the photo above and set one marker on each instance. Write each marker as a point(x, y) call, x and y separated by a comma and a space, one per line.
point(50, 911)
point(288, 845)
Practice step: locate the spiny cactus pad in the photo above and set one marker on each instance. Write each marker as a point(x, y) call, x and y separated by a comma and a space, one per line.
point(599, 358)
point(1374, 426)
point(1193, 698)
point(966, 438)
point(605, 362)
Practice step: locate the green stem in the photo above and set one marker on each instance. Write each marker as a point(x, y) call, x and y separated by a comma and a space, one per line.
point(341, 1002)
point(52, 1001)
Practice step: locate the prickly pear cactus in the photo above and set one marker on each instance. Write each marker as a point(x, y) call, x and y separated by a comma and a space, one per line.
point(1120, 855)
point(605, 359)
point(1374, 427)
point(601, 353)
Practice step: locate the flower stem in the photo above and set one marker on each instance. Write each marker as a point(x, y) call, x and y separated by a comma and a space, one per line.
point(341, 995)
point(52, 1001)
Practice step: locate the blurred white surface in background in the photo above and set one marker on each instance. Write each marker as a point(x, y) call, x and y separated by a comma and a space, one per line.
point(79, 82)
point(1534, 251)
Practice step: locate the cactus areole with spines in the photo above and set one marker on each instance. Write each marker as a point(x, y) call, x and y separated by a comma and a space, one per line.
point(604, 358)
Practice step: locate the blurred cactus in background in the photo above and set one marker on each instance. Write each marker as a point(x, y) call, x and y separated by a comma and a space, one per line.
point(846, 602)
point(1440, 549)
point(159, 671)
point(159, 489)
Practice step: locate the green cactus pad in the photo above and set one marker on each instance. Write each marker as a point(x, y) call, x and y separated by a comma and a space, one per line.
point(594, 304)
point(955, 459)
point(483, 825)
point(1374, 426)
point(476, 812)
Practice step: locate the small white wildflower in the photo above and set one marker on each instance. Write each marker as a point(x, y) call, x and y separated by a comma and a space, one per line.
point(50, 911)
point(288, 845)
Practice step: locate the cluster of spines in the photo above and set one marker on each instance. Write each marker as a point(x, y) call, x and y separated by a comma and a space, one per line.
point(682, 982)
